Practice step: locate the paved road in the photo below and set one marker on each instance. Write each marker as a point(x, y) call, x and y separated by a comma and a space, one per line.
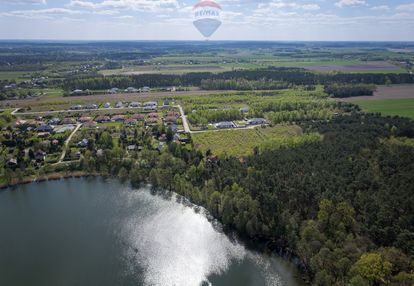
point(62, 157)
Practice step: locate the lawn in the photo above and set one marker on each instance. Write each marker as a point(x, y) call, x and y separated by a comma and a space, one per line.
point(242, 142)
point(401, 107)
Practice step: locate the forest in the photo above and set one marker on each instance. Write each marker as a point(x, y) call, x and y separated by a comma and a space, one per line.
point(350, 90)
point(342, 204)
point(268, 78)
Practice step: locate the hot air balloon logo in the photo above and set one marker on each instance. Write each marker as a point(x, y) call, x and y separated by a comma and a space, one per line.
point(207, 17)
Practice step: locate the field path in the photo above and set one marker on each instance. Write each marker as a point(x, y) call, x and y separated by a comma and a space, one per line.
point(184, 118)
point(62, 157)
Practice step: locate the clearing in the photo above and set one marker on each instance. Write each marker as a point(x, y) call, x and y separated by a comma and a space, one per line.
point(242, 142)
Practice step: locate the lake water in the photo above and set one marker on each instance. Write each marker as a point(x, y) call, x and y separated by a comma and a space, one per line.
point(93, 231)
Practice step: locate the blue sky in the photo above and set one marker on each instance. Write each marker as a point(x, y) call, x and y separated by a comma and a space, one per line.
point(326, 20)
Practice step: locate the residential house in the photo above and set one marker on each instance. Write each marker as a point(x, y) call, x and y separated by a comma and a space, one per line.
point(113, 90)
point(107, 105)
point(257, 121)
point(151, 121)
point(91, 106)
point(170, 120)
point(138, 116)
point(134, 104)
point(145, 89)
point(68, 120)
point(84, 119)
point(54, 121)
point(131, 121)
point(102, 119)
point(119, 104)
point(173, 114)
point(45, 128)
point(118, 118)
point(245, 109)
point(76, 107)
point(225, 124)
point(83, 143)
point(40, 155)
point(12, 162)
point(76, 92)
point(90, 124)
point(99, 153)
point(150, 105)
point(153, 115)
point(162, 138)
point(131, 89)
point(132, 147)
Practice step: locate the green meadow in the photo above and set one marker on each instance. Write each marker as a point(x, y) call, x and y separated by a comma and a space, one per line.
point(400, 107)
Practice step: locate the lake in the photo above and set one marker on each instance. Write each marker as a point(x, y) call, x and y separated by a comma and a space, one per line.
point(95, 231)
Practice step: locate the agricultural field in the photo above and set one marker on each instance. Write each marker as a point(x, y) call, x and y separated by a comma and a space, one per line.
point(356, 67)
point(312, 65)
point(170, 69)
point(397, 91)
point(242, 142)
point(392, 107)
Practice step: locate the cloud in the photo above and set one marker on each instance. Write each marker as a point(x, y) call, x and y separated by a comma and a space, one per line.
point(136, 5)
point(381, 8)
point(41, 13)
point(350, 3)
point(405, 7)
point(279, 4)
point(25, 1)
point(124, 17)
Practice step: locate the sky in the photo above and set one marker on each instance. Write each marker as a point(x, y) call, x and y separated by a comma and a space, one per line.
point(274, 20)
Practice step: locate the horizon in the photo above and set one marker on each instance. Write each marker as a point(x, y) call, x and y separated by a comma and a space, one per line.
point(170, 20)
point(206, 41)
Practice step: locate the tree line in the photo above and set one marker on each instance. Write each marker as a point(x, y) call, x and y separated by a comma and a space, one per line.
point(350, 90)
point(269, 78)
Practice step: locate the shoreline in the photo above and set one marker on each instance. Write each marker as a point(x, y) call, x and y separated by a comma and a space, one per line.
point(56, 176)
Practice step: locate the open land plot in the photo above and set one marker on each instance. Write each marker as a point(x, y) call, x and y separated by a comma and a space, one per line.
point(124, 97)
point(367, 67)
point(401, 107)
point(168, 69)
point(398, 91)
point(242, 142)
point(17, 76)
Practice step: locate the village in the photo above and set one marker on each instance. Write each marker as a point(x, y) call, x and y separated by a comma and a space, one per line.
point(39, 138)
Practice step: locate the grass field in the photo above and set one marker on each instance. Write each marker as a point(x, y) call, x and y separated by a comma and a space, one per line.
point(16, 76)
point(401, 107)
point(353, 66)
point(242, 142)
